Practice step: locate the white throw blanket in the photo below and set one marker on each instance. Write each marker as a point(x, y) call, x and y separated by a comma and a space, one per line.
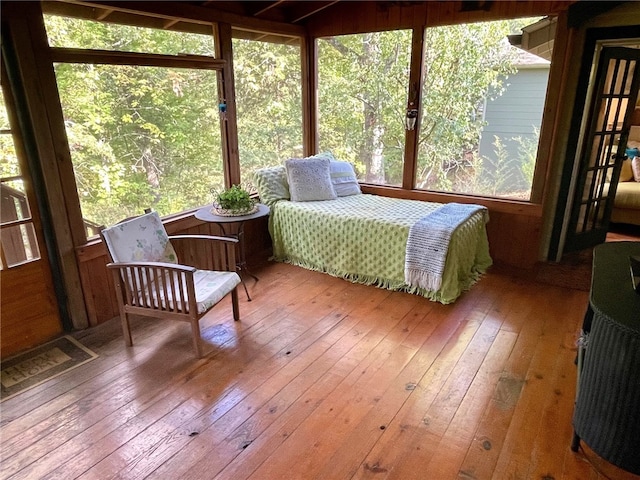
point(428, 244)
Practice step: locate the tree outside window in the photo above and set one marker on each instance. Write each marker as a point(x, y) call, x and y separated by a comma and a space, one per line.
point(363, 82)
point(139, 136)
point(268, 87)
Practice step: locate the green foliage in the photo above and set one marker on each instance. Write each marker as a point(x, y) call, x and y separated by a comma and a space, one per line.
point(497, 177)
point(235, 199)
point(494, 176)
point(464, 64)
point(150, 137)
point(268, 87)
point(139, 136)
point(529, 149)
point(363, 83)
point(71, 33)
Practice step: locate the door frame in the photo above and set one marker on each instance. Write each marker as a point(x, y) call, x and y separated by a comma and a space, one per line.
point(595, 39)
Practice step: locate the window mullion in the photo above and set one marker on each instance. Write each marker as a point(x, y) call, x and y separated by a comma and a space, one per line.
point(108, 57)
point(413, 102)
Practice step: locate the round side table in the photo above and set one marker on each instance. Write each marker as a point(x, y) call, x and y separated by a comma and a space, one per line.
point(234, 226)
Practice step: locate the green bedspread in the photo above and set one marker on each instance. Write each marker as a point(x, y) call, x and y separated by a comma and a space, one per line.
point(363, 238)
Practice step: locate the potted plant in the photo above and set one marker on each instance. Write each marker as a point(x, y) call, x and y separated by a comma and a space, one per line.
point(234, 201)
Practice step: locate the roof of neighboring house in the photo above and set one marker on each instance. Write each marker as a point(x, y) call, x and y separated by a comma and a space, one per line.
point(529, 60)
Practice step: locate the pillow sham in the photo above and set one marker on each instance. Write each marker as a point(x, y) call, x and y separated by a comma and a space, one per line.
point(344, 179)
point(309, 179)
point(272, 184)
point(635, 166)
point(626, 173)
point(326, 154)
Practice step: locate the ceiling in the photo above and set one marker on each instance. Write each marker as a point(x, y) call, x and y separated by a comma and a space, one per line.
point(286, 11)
point(285, 18)
point(286, 21)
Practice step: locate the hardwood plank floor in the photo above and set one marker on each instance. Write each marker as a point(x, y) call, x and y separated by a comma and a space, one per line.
point(321, 378)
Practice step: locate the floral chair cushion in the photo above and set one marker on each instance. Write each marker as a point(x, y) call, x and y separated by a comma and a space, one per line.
point(140, 239)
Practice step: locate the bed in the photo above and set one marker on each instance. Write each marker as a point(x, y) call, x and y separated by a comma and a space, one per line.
point(363, 238)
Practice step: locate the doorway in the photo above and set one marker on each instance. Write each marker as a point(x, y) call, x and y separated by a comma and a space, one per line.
point(31, 317)
point(610, 80)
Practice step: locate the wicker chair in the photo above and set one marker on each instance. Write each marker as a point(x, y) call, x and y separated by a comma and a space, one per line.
point(150, 281)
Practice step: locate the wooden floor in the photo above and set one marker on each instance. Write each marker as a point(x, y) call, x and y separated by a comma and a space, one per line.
point(321, 379)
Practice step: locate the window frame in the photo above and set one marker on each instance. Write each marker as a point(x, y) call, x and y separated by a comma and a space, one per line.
point(112, 57)
point(27, 225)
point(223, 34)
point(240, 35)
point(530, 208)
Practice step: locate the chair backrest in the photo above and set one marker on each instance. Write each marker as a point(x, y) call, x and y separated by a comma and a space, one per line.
point(139, 239)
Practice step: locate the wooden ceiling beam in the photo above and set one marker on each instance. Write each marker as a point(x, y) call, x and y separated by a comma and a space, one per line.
point(267, 7)
point(123, 18)
point(170, 23)
point(183, 11)
point(307, 9)
point(104, 14)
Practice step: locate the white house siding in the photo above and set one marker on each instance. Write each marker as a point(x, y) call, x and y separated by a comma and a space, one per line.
point(516, 113)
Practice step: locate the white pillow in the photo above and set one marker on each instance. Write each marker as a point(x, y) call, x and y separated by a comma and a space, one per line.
point(626, 173)
point(344, 179)
point(309, 179)
point(635, 166)
point(326, 154)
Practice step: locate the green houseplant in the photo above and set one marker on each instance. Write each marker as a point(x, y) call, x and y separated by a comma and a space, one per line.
point(234, 201)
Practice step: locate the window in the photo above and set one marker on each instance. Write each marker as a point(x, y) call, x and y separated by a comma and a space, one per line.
point(143, 129)
point(18, 243)
point(268, 85)
point(363, 81)
point(86, 34)
point(482, 102)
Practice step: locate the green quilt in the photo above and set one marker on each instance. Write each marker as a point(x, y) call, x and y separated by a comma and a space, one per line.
point(363, 238)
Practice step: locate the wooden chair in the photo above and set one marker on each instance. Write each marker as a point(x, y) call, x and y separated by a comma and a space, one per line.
point(150, 281)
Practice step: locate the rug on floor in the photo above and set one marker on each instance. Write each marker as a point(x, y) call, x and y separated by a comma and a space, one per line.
point(42, 363)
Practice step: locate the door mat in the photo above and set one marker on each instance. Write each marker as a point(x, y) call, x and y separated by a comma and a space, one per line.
point(42, 363)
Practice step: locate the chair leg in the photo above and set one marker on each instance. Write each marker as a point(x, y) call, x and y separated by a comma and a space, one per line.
point(234, 301)
point(195, 334)
point(126, 329)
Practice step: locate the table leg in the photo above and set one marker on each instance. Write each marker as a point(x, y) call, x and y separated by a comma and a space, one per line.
point(241, 264)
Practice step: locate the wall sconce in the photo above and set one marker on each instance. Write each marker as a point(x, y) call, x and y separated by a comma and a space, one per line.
point(411, 118)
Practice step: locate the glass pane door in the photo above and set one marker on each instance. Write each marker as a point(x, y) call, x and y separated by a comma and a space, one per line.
point(18, 243)
point(613, 101)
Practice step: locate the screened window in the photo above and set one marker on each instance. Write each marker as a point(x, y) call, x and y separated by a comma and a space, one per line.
point(482, 102)
point(140, 135)
point(85, 34)
point(268, 87)
point(362, 82)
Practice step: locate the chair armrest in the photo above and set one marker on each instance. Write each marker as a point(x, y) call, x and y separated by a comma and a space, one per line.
point(162, 265)
point(207, 252)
